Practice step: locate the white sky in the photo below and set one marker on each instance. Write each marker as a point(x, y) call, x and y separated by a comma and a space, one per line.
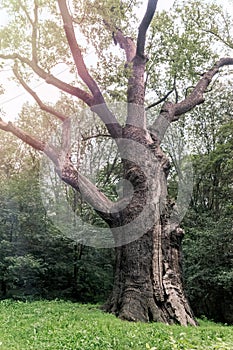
point(15, 96)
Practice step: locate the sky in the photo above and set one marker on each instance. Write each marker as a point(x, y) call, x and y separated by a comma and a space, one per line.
point(15, 96)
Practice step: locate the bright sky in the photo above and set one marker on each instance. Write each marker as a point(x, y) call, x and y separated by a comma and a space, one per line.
point(15, 96)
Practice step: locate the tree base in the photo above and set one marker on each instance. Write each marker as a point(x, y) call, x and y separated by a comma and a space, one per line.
point(148, 285)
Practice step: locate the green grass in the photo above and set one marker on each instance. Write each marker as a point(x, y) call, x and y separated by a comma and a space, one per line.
point(59, 325)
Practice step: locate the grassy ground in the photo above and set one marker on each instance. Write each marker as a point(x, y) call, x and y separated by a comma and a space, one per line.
point(61, 325)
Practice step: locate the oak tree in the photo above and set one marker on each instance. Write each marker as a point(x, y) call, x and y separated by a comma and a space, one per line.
point(147, 236)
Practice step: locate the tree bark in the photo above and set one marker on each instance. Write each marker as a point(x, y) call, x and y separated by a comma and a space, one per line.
point(148, 277)
point(148, 281)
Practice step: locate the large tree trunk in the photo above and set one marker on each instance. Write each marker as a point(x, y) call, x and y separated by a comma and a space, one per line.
point(148, 277)
point(148, 280)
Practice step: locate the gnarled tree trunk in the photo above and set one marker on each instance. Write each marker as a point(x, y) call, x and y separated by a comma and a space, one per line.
point(148, 281)
point(148, 277)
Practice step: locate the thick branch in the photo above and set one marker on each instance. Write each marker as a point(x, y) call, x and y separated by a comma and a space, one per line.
point(126, 43)
point(101, 110)
point(170, 112)
point(136, 83)
point(98, 104)
point(50, 79)
point(30, 140)
point(197, 95)
point(65, 169)
point(141, 40)
point(77, 54)
point(90, 193)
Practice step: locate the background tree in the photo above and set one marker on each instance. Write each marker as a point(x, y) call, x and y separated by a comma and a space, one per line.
point(148, 280)
point(208, 224)
point(31, 244)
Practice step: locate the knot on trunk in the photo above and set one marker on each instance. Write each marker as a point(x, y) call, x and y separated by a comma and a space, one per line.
point(176, 237)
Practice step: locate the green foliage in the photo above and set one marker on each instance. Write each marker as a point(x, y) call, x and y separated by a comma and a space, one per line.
point(94, 275)
point(30, 244)
point(213, 174)
point(61, 325)
point(206, 134)
point(94, 22)
point(181, 47)
point(94, 16)
point(208, 252)
point(21, 16)
point(22, 275)
point(208, 244)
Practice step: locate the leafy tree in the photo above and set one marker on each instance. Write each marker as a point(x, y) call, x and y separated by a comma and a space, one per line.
point(208, 266)
point(208, 224)
point(30, 247)
point(30, 244)
point(144, 225)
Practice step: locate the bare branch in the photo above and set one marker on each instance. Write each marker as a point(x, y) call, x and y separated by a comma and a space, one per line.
point(50, 79)
point(30, 140)
point(98, 103)
point(64, 167)
point(110, 121)
point(141, 40)
point(136, 83)
point(126, 43)
point(86, 138)
point(161, 100)
point(197, 95)
point(77, 54)
point(90, 193)
point(42, 106)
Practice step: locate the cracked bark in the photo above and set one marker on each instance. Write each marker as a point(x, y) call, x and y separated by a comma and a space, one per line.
point(148, 276)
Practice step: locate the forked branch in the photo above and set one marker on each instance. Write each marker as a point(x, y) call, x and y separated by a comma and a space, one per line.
point(171, 112)
point(98, 103)
point(197, 95)
point(65, 169)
